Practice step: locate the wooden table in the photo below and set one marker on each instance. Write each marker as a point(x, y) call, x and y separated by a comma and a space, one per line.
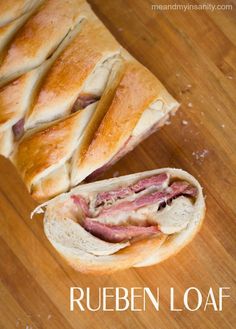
point(193, 54)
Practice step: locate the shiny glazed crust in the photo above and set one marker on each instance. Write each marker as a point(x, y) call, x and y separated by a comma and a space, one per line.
point(71, 54)
point(12, 9)
point(38, 37)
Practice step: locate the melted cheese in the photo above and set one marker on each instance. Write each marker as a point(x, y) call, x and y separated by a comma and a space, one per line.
point(176, 217)
point(150, 117)
point(97, 81)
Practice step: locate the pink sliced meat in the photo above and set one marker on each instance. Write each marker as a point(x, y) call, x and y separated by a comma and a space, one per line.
point(107, 196)
point(115, 233)
point(83, 101)
point(156, 181)
point(82, 203)
point(191, 191)
point(18, 128)
point(176, 189)
point(121, 193)
point(119, 233)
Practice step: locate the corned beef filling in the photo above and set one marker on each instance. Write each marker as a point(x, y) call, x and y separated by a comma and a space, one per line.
point(83, 101)
point(155, 192)
point(18, 129)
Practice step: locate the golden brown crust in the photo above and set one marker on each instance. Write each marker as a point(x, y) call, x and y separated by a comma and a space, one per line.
point(48, 93)
point(69, 72)
point(137, 90)
point(56, 182)
point(39, 37)
point(14, 100)
point(122, 260)
point(8, 31)
point(46, 148)
point(103, 106)
point(12, 9)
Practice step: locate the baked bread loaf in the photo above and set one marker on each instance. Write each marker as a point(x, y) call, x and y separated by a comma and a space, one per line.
point(72, 100)
point(135, 220)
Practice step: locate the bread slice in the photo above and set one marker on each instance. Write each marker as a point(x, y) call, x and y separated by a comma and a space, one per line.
point(178, 222)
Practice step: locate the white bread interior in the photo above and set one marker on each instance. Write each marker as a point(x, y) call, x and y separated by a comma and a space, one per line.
point(185, 222)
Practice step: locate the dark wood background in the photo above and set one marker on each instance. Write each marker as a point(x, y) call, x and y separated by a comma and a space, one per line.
point(193, 54)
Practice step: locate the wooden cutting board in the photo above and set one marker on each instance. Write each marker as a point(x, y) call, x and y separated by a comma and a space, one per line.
point(193, 54)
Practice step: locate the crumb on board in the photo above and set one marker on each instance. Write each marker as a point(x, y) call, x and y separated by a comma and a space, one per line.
point(49, 316)
point(200, 155)
point(223, 125)
point(184, 122)
point(190, 104)
point(185, 89)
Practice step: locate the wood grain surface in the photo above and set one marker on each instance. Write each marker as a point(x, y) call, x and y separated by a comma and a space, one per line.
point(194, 54)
